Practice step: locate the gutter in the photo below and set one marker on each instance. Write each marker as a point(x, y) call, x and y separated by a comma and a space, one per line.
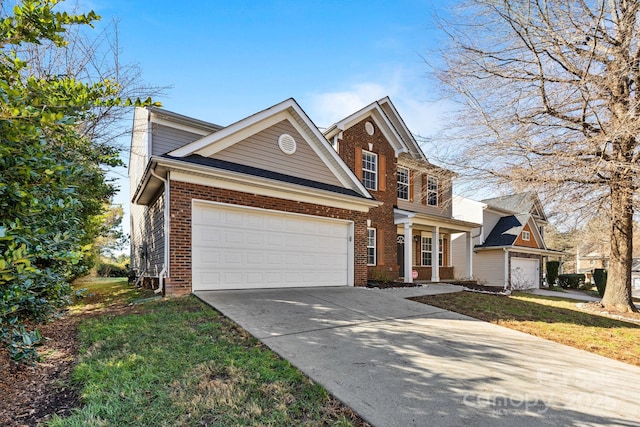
point(165, 270)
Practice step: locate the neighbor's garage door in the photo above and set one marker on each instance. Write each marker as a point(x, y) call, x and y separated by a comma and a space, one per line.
point(525, 273)
point(236, 247)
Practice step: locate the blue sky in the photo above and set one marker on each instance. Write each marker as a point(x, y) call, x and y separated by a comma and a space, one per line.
point(228, 59)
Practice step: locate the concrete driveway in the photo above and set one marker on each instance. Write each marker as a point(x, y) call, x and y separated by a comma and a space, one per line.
point(401, 363)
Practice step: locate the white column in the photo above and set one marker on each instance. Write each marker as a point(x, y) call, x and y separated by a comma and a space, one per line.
point(469, 271)
point(435, 249)
point(408, 253)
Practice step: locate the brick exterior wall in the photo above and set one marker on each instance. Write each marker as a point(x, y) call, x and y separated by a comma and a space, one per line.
point(181, 195)
point(354, 138)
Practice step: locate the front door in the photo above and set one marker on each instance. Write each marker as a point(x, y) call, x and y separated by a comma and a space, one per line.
point(400, 240)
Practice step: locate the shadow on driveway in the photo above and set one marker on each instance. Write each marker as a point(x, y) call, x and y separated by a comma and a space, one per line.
point(398, 362)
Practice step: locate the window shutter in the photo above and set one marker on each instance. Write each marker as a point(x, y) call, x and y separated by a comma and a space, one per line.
point(380, 245)
point(382, 173)
point(425, 192)
point(358, 163)
point(411, 183)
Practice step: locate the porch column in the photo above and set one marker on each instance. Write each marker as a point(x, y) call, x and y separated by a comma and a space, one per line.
point(435, 250)
point(408, 253)
point(469, 251)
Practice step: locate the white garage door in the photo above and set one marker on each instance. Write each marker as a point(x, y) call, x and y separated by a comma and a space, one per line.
point(525, 273)
point(245, 248)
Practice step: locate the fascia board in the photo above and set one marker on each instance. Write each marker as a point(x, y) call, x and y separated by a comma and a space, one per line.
point(252, 184)
point(231, 129)
point(387, 100)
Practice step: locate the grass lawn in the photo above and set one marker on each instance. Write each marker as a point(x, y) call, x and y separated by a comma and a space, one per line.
point(178, 362)
point(554, 318)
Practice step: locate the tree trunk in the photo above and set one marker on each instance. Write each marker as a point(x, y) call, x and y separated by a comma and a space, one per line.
point(617, 295)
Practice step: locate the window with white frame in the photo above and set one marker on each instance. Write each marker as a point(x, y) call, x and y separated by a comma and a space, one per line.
point(526, 236)
point(403, 183)
point(371, 246)
point(432, 191)
point(370, 170)
point(425, 249)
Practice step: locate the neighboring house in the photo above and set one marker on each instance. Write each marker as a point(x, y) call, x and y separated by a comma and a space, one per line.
point(270, 201)
point(509, 248)
point(589, 262)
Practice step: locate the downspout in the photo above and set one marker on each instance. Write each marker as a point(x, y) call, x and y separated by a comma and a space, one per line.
point(165, 268)
point(507, 270)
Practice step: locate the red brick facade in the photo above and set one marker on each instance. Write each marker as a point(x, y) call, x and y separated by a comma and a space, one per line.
point(181, 195)
point(354, 140)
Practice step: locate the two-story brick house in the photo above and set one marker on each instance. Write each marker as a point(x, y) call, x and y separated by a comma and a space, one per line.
point(413, 227)
point(271, 201)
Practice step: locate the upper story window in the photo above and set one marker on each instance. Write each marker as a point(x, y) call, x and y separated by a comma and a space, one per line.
point(526, 236)
point(403, 183)
point(370, 170)
point(432, 191)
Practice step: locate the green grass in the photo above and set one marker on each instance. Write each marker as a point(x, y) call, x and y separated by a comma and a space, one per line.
point(178, 362)
point(554, 318)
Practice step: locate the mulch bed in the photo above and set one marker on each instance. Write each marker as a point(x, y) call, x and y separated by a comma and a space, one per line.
point(32, 394)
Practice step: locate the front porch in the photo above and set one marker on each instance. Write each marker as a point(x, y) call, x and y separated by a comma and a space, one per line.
point(425, 249)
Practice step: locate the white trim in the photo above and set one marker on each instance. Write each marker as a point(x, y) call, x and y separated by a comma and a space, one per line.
point(375, 247)
point(350, 223)
point(248, 126)
point(280, 190)
point(376, 172)
point(408, 183)
point(387, 100)
point(380, 118)
point(227, 137)
point(526, 235)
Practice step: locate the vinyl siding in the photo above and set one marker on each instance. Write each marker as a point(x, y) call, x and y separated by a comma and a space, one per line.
point(147, 227)
point(459, 253)
point(139, 152)
point(488, 267)
point(261, 150)
point(443, 210)
point(166, 139)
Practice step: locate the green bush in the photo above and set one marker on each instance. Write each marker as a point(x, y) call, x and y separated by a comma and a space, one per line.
point(571, 281)
point(552, 272)
point(600, 277)
point(106, 269)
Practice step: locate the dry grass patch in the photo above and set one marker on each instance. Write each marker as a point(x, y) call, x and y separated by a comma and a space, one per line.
point(553, 318)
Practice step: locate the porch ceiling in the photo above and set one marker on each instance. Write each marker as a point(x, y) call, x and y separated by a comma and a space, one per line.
point(424, 222)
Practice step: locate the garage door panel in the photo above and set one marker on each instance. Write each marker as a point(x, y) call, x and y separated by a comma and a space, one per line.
point(525, 273)
point(238, 248)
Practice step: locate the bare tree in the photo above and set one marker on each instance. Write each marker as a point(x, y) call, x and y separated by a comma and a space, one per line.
point(549, 92)
point(94, 56)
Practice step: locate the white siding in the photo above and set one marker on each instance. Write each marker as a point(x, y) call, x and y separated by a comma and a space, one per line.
point(139, 152)
point(459, 253)
point(488, 267)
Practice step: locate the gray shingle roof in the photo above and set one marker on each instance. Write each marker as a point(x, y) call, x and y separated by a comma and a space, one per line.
point(263, 173)
point(517, 203)
point(506, 231)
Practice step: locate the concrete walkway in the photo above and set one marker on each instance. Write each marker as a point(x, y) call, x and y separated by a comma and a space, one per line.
point(401, 363)
point(566, 294)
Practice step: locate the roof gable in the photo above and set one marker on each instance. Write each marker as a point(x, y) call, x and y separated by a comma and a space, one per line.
point(509, 228)
point(287, 113)
point(521, 203)
point(387, 119)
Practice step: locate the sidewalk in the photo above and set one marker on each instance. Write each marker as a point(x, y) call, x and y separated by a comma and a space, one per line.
point(568, 293)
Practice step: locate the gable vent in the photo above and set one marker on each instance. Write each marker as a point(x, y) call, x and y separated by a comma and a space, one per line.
point(287, 144)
